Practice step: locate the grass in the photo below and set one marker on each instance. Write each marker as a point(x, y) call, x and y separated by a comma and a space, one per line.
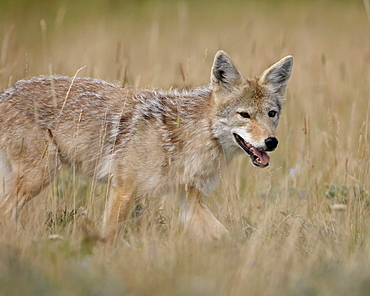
point(299, 227)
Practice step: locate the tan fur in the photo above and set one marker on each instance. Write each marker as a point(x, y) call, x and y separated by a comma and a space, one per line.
point(143, 142)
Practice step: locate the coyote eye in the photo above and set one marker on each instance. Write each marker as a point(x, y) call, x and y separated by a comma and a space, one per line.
point(244, 114)
point(272, 113)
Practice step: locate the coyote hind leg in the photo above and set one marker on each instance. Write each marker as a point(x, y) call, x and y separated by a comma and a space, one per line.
point(23, 176)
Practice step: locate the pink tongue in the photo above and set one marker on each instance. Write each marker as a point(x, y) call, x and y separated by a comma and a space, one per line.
point(264, 158)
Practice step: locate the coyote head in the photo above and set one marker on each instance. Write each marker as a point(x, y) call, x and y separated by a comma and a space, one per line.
point(247, 110)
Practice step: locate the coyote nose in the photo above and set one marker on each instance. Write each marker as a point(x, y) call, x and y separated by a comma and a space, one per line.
point(271, 143)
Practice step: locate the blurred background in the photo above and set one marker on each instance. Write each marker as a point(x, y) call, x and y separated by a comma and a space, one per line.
point(301, 225)
point(152, 38)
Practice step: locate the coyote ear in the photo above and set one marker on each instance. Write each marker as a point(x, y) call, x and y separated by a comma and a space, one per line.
point(277, 76)
point(224, 74)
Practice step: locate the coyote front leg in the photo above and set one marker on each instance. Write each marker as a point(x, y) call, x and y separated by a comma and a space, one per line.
point(199, 219)
point(117, 208)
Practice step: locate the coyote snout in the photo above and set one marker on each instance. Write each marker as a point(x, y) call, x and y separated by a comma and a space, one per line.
point(271, 143)
point(145, 142)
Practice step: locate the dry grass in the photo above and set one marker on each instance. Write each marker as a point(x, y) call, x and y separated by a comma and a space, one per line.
point(299, 227)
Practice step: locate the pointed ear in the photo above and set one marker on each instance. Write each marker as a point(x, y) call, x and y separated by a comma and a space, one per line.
point(277, 76)
point(224, 74)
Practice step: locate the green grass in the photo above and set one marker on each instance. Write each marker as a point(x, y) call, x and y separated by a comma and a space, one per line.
point(299, 227)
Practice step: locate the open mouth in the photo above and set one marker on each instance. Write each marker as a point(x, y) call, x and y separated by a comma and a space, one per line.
point(259, 158)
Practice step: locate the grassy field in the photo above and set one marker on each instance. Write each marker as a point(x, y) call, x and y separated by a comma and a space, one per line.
point(299, 227)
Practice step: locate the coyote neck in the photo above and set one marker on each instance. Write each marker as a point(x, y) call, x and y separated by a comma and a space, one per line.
point(185, 124)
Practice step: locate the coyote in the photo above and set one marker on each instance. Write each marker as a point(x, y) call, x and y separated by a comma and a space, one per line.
point(141, 142)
